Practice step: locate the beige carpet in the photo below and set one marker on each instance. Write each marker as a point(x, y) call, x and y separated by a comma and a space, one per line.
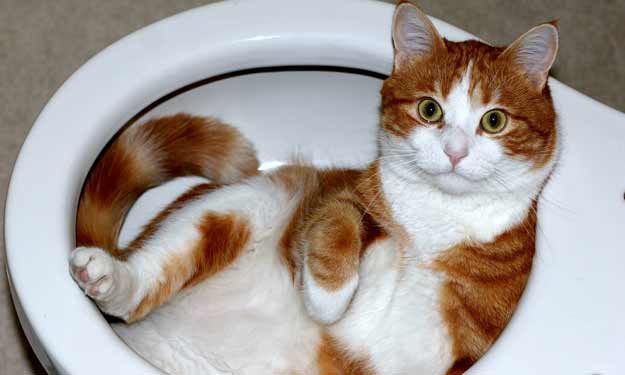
point(42, 42)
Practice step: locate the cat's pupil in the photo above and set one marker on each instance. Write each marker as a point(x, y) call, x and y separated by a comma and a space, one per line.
point(430, 110)
point(493, 119)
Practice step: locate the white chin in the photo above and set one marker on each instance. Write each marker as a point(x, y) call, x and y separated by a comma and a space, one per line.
point(453, 183)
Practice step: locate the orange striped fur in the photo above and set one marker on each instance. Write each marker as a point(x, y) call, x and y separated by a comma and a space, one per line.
point(484, 284)
point(148, 155)
point(223, 239)
point(334, 360)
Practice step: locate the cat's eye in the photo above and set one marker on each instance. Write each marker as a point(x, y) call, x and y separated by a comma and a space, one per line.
point(430, 110)
point(494, 121)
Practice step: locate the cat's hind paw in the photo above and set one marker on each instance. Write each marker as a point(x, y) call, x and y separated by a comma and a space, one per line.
point(107, 280)
point(93, 270)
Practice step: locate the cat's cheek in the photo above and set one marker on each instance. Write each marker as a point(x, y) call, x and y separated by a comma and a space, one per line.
point(485, 159)
point(430, 155)
point(432, 162)
point(476, 168)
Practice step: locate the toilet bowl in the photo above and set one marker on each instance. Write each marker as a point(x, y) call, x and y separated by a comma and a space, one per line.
point(302, 77)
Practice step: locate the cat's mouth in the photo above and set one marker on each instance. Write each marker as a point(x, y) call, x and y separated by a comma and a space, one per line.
point(459, 175)
point(449, 174)
point(454, 182)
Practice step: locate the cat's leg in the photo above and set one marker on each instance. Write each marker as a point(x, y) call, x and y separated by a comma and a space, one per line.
point(331, 246)
point(187, 242)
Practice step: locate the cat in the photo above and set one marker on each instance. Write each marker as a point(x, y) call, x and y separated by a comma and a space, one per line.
point(413, 265)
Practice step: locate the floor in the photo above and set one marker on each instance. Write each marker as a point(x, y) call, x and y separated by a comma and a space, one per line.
point(42, 42)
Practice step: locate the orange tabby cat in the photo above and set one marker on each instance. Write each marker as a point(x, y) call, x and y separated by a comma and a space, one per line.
point(411, 266)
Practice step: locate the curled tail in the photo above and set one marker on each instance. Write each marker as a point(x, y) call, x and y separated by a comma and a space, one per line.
point(147, 155)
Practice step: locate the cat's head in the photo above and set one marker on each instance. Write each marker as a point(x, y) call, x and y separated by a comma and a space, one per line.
point(468, 117)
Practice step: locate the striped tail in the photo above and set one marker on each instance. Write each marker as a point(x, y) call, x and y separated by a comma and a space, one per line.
point(148, 155)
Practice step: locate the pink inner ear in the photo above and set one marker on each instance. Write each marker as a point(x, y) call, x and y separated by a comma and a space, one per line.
point(535, 52)
point(413, 33)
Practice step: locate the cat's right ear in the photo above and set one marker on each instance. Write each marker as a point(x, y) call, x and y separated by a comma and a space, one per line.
point(535, 52)
point(414, 35)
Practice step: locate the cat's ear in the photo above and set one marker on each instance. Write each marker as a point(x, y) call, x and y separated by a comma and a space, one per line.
point(534, 52)
point(414, 35)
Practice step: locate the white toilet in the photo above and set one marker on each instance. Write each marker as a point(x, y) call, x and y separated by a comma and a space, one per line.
point(289, 73)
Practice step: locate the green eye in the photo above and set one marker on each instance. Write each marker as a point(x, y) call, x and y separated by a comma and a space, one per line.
point(430, 110)
point(494, 121)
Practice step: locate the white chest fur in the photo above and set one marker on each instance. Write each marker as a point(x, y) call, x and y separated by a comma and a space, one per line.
point(436, 221)
point(394, 318)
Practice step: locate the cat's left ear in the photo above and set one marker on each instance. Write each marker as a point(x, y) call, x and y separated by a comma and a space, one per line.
point(534, 52)
point(414, 35)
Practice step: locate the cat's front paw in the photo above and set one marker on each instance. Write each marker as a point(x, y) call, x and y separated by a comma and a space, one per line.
point(326, 303)
point(331, 264)
point(93, 270)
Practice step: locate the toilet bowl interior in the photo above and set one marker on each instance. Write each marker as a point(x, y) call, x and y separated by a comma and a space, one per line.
point(325, 115)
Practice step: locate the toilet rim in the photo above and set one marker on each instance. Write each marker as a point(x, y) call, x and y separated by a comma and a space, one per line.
point(109, 90)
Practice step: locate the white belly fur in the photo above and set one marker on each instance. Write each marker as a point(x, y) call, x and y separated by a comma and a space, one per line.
point(394, 318)
point(248, 319)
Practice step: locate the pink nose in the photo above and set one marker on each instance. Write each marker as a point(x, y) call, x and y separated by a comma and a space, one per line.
point(456, 155)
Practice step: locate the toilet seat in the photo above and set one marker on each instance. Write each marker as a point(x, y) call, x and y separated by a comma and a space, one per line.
point(570, 319)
